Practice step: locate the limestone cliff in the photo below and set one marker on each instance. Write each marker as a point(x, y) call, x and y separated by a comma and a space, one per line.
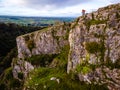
point(102, 27)
point(47, 41)
point(94, 41)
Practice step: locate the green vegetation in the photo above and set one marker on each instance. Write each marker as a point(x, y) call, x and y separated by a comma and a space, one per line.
point(112, 65)
point(34, 21)
point(117, 15)
point(8, 34)
point(30, 44)
point(83, 69)
point(73, 25)
point(93, 16)
point(41, 78)
point(94, 22)
point(7, 81)
point(41, 60)
point(6, 61)
point(62, 58)
point(96, 48)
point(20, 75)
point(27, 38)
point(93, 47)
point(8, 51)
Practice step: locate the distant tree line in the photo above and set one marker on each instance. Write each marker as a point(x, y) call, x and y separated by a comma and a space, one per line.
point(8, 34)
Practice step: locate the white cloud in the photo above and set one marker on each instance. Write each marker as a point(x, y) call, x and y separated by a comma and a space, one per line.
point(22, 7)
point(114, 1)
point(12, 3)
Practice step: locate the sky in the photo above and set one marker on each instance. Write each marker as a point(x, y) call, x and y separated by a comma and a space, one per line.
point(55, 8)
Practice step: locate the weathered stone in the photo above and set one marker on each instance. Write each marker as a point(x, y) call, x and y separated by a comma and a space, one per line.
point(101, 27)
point(48, 41)
point(21, 67)
point(101, 32)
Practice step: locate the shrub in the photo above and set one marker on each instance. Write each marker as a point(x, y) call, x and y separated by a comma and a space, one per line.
point(20, 75)
point(92, 16)
point(84, 69)
point(117, 15)
point(60, 61)
point(8, 82)
point(30, 44)
point(27, 38)
point(41, 60)
point(93, 22)
point(93, 47)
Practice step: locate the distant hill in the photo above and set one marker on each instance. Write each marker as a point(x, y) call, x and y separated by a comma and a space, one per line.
point(34, 21)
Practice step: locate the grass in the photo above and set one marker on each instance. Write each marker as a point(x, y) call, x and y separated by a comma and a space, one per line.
point(41, 60)
point(83, 69)
point(94, 22)
point(7, 81)
point(40, 78)
point(93, 47)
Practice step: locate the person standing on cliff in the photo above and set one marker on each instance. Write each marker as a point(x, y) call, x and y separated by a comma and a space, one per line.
point(83, 12)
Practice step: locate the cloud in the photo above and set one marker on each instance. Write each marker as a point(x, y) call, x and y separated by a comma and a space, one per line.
point(51, 7)
point(114, 1)
point(12, 3)
point(50, 4)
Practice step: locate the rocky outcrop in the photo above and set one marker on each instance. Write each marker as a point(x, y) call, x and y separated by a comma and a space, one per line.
point(21, 68)
point(47, 41)
point(95, 40)
point(103, 76)
point(102, 27)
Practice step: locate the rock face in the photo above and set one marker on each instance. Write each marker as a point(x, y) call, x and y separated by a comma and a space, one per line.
point(47, 41)
point(22, 67)
point(102, 27)
point(109, 77)
point(94, 41)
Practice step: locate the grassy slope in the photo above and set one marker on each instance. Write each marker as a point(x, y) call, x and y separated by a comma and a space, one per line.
point(39, 79)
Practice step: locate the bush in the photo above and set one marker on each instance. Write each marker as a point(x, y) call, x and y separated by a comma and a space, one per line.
point(27, 38)
point(93, 47)
point(8, 82)
point(93, 22)
point(41, 60)
point(30, 44)
point(20, 75)
point(62, 58)
point(83, 69)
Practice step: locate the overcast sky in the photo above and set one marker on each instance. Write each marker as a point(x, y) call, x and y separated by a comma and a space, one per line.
point(51, 7)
